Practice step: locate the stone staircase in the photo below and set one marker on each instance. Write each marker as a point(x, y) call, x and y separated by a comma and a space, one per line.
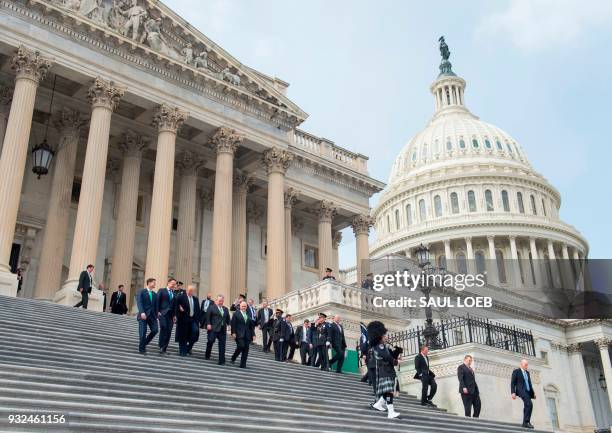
point(86, 366)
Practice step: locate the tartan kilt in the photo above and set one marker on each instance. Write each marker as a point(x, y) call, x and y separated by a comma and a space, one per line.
point(385, 385)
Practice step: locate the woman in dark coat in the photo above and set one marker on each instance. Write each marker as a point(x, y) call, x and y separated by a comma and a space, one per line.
point(385, 369)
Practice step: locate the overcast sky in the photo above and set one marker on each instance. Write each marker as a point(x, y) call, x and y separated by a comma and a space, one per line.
point(539, 69)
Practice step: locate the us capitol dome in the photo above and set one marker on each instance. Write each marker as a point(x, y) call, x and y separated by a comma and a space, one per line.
point(465, 189)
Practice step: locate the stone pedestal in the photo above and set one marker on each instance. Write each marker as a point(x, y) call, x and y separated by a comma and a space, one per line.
point(30, 68)
point(69, 296)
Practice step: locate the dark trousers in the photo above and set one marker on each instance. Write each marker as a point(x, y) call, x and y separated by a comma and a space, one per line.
point(527, 407)
point(338, 358)
point(469, 401)
point(372, 378)
point(428, 382)
point(151, 323)
point(242, 349)
point(266, 340)
point(165, 330)
point(289, 347)
point(322, 358)
point(84, 300)
point(186, 344)
point(212, 336)
point(305, 353)
point(279, 350)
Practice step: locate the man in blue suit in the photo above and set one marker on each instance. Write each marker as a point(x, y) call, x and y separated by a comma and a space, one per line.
point(166, 298)
point(520, 386)
point(216, 320)
point(147, 314)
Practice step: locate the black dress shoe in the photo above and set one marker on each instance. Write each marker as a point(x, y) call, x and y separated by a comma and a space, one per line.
point(424, 404)
point(430, 403)
point(527, 425)
point(233, 361)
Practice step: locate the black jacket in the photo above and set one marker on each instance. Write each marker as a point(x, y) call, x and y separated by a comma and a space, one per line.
point(422, 367)
point(184, 321)
point(240, 328)
point(467, 379)
point(320, 335)
point(146, 304)
point(164, 304)
point(385, 364)
point(299, 333)
point(517, 384)
point(118, 303)
point(280, 330)
point(85, 282)
point(216, 320)
point(336, 337)
point(204, 307)
point(261, 318)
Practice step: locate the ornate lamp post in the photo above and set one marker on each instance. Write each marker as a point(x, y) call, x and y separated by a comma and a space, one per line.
point(430, 333)
point(42, 154)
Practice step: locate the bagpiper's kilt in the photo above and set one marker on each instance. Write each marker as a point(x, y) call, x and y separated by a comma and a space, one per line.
point(385, 385)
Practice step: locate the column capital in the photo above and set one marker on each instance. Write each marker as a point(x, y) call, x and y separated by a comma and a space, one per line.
point(512, 237)
point(226, 140)
point(103, 93)
point(602, 343)
point(68, 121)
point(446, 242)
point(133, 144)
point(490, 238)
point(242, 180)
point(277, 160)
point(326, 210)
point(336, 239)
point(361, 224)
point(468, 239)
point(168, 118)
point(30, 64)
point(188, 163)
point(532, 239)
point(112, 167)
point(291, 196)
point(574, 348)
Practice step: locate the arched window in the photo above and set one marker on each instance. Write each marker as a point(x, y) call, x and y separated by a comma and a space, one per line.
point(519, 199)
point(533, 205)
point(424, 151)
point(501, 266)
point(475, 143)
point(449, 145)
point(521, 270)
point(438, 205)
point(471, 201)
point(408, 214)
point(479, 258)
point(532, 269)
point(422, 210)
point(543, 207)
point(487, 144)
point(509, 147)
point(442, 261)
point(489, 200)
point(437, 146)
point(505, 201)
point(388, 224)
point(461, 263)
point(462, 144)
point(397, 219)
point(454, 202)
point(414, 155)
point(499, 145)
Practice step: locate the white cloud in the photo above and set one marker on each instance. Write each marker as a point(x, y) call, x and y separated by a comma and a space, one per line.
point(535, 25)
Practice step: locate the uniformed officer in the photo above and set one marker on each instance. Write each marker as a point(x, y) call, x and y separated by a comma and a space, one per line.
point(321, 342)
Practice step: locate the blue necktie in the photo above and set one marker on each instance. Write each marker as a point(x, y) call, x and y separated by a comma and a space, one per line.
point(170, 294)
point(526, 380)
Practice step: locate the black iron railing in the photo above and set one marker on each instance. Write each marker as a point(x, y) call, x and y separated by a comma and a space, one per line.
point(469, 329)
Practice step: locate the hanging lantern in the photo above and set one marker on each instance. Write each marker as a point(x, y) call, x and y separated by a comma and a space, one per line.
point(42, 156)
point(422, 254)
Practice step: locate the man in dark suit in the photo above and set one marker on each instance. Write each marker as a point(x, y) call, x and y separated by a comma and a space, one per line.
point(118, 303)
point(166, 297)
point(303, 340)
point(426, 376)
point(252, 312)
point(217, 319)
point(147, 314)
point(187, 312)
point(243, 330)
point(85, 285)
point(321, 342)
point(289, 345)
point(207, 303)
point(468, 388)
point(279, 330)
point(338, 343)
point(236, 305)
point(265, 319)
point(521, 387)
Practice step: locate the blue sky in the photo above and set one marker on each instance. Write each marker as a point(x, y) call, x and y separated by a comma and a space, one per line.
point(539, 69)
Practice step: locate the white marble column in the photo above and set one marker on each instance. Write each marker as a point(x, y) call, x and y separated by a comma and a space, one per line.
point(291, 196)
point(471, 266)
point(361, 228)
point(225, 141)
point(336, 239)
point(581, 387)
point(408, 253)
point(516, 272)
point(132, 145)
point(277, 162)
point(533, 249)
point(450, 265)
point(6, 96)
point(554, 268)
point(49, 277)
point(493, 270)
point(168, 120)
point(30, 68)
point(603, 344)
point(104, 97)
point(326, 211)
point(242, 184)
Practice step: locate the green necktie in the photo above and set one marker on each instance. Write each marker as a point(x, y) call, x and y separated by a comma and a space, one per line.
point(151, 296)
point(221, 311)
point(244, 315)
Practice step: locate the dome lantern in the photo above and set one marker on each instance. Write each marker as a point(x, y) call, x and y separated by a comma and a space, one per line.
point(448, 88)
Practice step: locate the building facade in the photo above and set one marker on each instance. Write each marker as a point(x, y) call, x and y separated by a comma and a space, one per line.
point(171, 159)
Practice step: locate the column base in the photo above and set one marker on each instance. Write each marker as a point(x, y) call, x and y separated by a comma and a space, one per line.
point(8, 284)
point(69, 296)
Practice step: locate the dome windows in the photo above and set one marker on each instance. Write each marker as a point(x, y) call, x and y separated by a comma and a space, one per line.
point(499, 145)
point(543, 207)
point(487, 144)
point(449, 145)
point(414, 155)
point(533, 205)
point(422, 210)
point(505, 201)
point(454, 203)
point(397, 219)
point(471, 201)
point(388, 224)
point(462, 144)
point(408, 214)
point(489, 200)
point(438, 205)
point(424, 151)
point(509, 148)
point(519, 199)
point(475, 144)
